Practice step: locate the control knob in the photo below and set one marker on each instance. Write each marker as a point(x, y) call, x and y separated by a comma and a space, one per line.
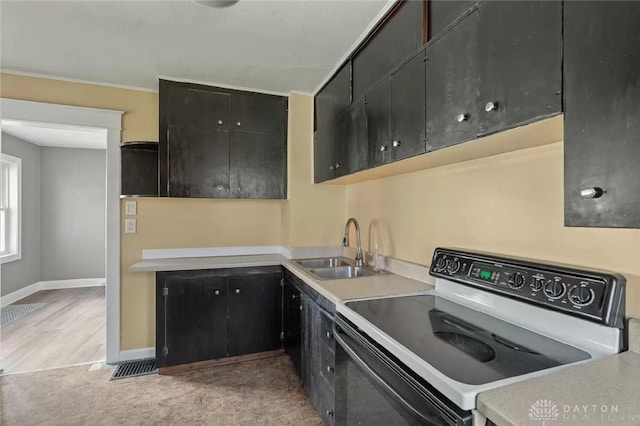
point(441, 264)
point(581, 295)
point(454, 266)
point(537, 283)
point(555, 289)
point(517, 281)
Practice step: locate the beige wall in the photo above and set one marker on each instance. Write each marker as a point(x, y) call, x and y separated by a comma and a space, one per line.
point(140, 118)
point(511, 203)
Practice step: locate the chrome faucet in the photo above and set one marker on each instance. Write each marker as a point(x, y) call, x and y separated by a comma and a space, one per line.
point(345, 240)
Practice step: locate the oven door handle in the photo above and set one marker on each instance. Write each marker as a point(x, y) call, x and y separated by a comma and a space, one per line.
point(375, 377)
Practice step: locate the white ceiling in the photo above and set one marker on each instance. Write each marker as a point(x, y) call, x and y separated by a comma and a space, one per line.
point(277, 46)
point(56, 135)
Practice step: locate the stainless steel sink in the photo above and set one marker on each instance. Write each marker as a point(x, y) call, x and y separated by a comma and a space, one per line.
point(324, 262)
point(342, 272)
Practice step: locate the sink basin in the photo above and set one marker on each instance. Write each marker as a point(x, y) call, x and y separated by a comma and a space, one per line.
point(342, 272)
point(324, 262)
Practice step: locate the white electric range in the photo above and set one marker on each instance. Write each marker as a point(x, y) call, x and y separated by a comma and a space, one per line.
point(491, 321)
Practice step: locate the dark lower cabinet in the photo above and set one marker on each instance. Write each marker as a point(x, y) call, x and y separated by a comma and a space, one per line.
point(257, 166)
point(255, 312)
point(452, 86)
point(602, 118)
point(310, 344)
point(192, 317)
point(292, 325)
point(520, 62)
point(210, 314)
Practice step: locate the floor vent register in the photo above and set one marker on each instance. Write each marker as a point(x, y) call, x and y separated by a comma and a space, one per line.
point(136, 368)
point(12, 313)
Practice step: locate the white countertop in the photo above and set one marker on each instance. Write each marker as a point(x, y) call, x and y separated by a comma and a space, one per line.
point(334, 290)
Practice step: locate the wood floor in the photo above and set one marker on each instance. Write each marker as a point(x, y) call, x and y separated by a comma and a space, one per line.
point(68, 330)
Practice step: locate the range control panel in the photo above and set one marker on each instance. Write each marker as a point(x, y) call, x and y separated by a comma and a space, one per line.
point(593, 295)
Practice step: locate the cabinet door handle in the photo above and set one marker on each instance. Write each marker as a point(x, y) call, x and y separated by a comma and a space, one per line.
point(294, 296)
point(219, 122)
point(383, 148)
point(237, 291)
point(238, 124)
point(462, 117)
point(331, 167)
point(490, 106)
point(330, 369)
point(329, 335)
point(338, 166)
point(594, 192)
point(329, 413)
point(217, 292)
point(396, 144)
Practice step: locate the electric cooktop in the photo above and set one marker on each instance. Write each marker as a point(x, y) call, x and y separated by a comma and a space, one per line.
point(466, 345)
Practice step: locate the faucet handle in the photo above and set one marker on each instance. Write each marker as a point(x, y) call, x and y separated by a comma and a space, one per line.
point(345, 240)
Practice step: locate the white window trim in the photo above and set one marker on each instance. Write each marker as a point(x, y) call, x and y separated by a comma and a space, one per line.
point(16, 252)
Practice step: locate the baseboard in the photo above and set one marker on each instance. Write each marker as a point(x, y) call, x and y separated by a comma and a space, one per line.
point(134, 354)
point(49, 285)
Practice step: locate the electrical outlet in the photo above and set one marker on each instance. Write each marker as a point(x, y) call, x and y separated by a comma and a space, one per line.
point(129, 226)
point(130, 208)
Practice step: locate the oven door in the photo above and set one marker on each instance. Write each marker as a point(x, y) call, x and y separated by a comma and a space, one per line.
point(373, 388)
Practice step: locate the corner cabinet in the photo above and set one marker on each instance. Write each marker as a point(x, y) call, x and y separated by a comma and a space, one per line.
point(221, 143)
point(212, 314)
point(602, 118)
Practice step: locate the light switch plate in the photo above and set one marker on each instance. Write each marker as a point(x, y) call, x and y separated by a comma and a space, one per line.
point(130, 208)
point(129, 226)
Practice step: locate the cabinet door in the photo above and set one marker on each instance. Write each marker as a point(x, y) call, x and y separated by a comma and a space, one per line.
point(258, 113)
point(199, 107)
point(351, 140)
point(255, 313)
point(378, 111)
point(330, 101)
point(602, 118)
point(257, 165)
point(399, 37)
point(292, 325)
point(407, 110)
point(192, 324)
point(520, 62)
point(452, 85)
point(199, 165)
point(443, 13)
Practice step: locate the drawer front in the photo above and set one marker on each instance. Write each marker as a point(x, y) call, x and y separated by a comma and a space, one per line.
point(326, 331)
point(327, 403)
point(328, 364)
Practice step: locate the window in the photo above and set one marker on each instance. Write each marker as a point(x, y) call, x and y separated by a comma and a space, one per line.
point(10, 175)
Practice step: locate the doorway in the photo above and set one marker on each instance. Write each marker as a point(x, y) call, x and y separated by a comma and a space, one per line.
point(104, 125)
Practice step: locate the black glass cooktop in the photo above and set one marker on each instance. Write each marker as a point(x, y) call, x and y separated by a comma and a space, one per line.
point(465, 345)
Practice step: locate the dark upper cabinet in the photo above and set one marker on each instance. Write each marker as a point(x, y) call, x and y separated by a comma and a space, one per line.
point(399, 37)
point(199, 165)
point(259, 113)
point(195, 156)
point(330, 102)
point(378, 112)
point(602, 118)
point(452, 86)
point(520, 62)
point(408, 109)
point(351, 140)
point(210, 314)
point(257, 165)
point(443, 13)
point(191, 317)
point(255, 313)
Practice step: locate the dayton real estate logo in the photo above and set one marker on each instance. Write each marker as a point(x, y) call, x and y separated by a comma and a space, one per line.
point(544, 410)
